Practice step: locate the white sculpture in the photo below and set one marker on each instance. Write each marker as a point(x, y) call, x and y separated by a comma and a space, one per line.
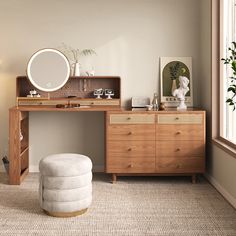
point(181, 91)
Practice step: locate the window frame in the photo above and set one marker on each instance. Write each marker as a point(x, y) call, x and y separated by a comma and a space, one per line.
point(217, 78)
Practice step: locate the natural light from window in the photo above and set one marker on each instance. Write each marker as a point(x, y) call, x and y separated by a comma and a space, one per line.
point(228, 129)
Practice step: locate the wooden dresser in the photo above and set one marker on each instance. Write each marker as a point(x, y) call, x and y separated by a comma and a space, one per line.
point(155, 143)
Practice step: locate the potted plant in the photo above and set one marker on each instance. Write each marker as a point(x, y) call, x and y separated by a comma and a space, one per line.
point(74, 54)
point(231, 61)
point(174, 74)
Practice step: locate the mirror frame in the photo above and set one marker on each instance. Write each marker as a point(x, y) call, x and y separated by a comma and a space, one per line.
point(29, 75)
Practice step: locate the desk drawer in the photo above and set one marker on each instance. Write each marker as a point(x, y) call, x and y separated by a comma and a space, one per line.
point(54, 102)
point(98, 102)
point(118, 149)
point(131, 165)
point(180, 165)
point(180, 148)
point(131, 132)
point(180, 119)
point(179, 132)
point(132, 119)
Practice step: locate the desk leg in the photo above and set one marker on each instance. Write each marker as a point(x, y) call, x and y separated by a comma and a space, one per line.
point(114, 178)
point(194, 178)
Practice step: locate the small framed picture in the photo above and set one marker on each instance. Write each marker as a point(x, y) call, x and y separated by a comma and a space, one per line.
point(170, 70)
point(109, 93)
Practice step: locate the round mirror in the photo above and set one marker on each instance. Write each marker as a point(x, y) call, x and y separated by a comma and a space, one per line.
point(48, 70)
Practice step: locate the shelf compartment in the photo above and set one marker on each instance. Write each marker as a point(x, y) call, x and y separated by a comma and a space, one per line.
point(24, 129)
point(24, 159)
point(78, 86)
point(24, 173)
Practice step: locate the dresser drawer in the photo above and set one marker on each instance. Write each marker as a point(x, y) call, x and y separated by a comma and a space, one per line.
point(180, 149)
point(180, 132)
point(132, 119)
point(180, 119)
point(131, 149)
point(131, 132)
point(131, 165)
point(180, 165)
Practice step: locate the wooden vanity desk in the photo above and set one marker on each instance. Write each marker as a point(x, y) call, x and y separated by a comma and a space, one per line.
point(76, 95)
point(136, 142)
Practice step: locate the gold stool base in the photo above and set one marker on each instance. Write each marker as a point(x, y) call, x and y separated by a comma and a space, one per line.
point(66, 214)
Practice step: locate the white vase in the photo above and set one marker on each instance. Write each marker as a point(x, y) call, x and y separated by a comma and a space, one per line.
point(77, 69)
point(173, 86)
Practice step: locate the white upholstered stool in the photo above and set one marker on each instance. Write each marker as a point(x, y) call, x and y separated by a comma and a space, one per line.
point(65, 184)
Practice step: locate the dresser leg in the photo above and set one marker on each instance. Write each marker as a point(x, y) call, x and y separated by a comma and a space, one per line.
point(194, 178)
point(113, 178)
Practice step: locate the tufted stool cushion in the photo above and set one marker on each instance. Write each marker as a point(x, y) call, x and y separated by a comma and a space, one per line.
point(65, 187)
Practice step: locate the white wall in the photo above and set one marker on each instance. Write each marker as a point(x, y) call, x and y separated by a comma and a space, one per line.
point(129, 37)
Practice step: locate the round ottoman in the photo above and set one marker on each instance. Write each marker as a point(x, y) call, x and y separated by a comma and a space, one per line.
point(65, 187)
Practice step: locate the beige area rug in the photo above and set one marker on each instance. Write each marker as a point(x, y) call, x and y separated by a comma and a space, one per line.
point(134, 206)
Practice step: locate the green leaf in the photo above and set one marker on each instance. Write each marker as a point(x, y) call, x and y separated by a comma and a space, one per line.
point(231, 89)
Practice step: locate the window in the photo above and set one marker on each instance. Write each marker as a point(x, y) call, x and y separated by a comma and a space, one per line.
point(228, 116)
point(223, 33)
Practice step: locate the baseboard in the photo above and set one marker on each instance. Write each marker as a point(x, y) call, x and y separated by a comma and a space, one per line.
point(33, 168)
point(96, 168)
point(222, 190)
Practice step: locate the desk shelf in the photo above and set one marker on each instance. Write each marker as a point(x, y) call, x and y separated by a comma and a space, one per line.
point(80, 87)
point(18, 145)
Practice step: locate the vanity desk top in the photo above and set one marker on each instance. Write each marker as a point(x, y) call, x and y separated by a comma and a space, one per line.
point(99, 108)
point(72, 109)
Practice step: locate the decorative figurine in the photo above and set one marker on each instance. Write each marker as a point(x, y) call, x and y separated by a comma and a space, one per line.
point(33, 93)
point(98, 93)
point(181, 92)
point(109, 93)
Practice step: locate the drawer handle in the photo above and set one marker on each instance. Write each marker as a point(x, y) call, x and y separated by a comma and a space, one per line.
point(178, 132)
point(129, 149)
point(129, 133)
point(176, 118)
point(92, 103)
point(177, 149)
point(128, 118)
point(130, 166)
